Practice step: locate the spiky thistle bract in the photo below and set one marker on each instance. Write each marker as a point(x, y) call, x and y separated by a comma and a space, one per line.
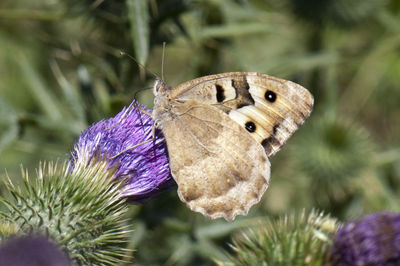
point(81, 210)
point(297, 240)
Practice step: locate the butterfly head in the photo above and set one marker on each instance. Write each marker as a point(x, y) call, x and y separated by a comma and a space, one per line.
point(160, 87)
point(161, 101)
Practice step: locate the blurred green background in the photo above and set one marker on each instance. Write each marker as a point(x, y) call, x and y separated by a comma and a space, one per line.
point(61, 71)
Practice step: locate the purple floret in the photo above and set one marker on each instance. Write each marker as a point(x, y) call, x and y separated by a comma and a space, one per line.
point(144, 168)
point(32, 250)
point(374, 240)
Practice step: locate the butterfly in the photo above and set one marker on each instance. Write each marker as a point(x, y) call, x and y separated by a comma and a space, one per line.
point(220, 131)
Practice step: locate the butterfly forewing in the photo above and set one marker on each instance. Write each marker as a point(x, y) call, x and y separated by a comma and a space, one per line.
point(271, 109)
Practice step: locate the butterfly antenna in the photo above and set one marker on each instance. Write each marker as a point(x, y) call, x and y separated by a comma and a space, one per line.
point(122, 53)
point(162, 61)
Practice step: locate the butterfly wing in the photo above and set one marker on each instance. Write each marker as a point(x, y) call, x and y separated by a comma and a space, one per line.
point(221, 171)
point(271, 109)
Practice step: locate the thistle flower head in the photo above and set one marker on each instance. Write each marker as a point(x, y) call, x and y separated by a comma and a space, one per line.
point(338, 150)
point(293, 240)
point(374, 240)
point(82, 211)
point(33, 250)
point(126, 143)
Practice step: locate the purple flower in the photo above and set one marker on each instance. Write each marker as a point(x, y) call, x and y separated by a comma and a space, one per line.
point(144, 168)
point(31, 250)
point(374, 240)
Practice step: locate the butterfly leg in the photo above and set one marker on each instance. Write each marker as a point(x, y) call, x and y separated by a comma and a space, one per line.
point(143, 111)
point(153, 137)
point(127, 111)
point(130, 148)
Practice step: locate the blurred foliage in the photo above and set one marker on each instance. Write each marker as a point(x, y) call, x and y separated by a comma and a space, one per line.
point(61, 70)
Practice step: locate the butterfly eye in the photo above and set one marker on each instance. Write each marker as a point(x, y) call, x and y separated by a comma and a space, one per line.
point(270, 96)
point(250, 126)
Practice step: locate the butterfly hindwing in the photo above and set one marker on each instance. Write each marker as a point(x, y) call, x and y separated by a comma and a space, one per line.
point(221, 171)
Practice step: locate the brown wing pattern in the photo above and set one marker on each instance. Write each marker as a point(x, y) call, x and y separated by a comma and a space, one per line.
point(221, 171)
point(271, 109)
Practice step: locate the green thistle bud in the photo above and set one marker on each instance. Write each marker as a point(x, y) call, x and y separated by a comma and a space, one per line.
point(336, 151)
point(81, 210)
point(292, 240)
